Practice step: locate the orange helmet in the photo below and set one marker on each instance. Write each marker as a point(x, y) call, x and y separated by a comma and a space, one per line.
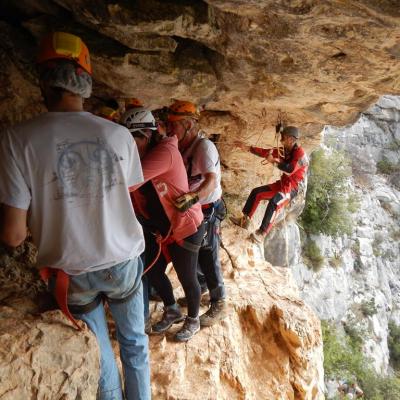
point(132, 103)
point(181, 110)
point(108, 113)
point(67, 46)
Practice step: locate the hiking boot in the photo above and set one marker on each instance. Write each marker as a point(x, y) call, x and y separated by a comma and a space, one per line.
point(258, 236)
point(217, 312)
point(147, 326)
point(183, 302)
point(189, 329)
point(171, 315)
point(243, 221)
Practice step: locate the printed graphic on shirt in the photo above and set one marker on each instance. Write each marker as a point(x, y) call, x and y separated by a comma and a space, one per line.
point(85, 169)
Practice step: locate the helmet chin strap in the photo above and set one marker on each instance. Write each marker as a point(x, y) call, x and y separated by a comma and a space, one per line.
point(184, 136)
point(187, 130)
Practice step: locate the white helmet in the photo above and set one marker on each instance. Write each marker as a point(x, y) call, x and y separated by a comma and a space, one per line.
point(137, 119)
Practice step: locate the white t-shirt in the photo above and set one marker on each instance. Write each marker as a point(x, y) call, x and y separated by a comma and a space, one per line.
point(72, 171)
point(200, 158)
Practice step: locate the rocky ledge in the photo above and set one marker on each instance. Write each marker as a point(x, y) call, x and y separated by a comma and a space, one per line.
point(268, 347)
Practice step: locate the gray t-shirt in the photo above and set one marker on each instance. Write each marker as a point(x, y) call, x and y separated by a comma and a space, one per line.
point(72, 171)
point(200, 158)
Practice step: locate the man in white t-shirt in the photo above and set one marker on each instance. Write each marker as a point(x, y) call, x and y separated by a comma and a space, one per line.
point(202, 163)
point(72, 171)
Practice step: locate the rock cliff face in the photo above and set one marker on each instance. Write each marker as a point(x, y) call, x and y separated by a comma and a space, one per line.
point(318, 62)
point(269, 347)
point(41, 357)
point(245, 62)
point(363, 289)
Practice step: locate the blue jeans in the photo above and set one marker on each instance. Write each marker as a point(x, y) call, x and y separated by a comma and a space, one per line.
point(122, 281)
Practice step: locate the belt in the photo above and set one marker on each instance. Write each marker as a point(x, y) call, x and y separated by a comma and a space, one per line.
point(61, 295)
point(208, 205)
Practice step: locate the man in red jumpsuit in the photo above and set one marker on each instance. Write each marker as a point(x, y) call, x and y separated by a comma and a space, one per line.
point(293, 162)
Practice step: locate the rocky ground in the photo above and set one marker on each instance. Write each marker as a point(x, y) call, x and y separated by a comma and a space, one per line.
point(269, 346)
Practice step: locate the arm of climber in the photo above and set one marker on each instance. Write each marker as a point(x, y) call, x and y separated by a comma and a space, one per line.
point(15, 194)
point(259, 151)
point(12, 225)
point(208, 185)
point(155, 163)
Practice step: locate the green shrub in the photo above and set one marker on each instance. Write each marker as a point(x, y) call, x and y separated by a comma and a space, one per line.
point(312, 255)
point(357, 263)
point(395, 234)
point(394, 345)
point(376, 246)
point(354, 335)
point(368, 308)
point(376, 387)
point(343, 359)
point(386, 167)
point(336, 261)
point(355, 248)
point(329, 199)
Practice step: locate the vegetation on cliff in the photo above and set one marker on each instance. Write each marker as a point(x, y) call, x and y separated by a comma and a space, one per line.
point(330, 201)
point(345, 360)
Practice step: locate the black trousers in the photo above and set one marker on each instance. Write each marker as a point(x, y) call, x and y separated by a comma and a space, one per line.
point(209, 262)
point(184, 261)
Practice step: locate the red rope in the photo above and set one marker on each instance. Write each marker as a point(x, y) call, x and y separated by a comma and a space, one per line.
point(160, 240)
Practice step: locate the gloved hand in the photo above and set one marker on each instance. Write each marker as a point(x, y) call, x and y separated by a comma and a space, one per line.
point(186, 201)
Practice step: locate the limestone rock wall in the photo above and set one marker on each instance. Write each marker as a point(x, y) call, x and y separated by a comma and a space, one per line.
point(42, 357)
point(245, 62)
point(363, 289)
point(269, 346)
point(318, 62)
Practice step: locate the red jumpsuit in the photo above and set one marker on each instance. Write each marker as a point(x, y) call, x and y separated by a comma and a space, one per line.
point(294, 165)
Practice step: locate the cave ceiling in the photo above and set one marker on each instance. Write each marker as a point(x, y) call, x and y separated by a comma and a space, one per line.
point(317, 62)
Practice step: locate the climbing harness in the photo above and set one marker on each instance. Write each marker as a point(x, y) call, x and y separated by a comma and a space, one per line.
point(162, 242)
point(61, 290)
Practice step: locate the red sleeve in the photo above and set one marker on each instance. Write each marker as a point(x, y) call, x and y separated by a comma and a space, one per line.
point(155, 163)
point(258, 151)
